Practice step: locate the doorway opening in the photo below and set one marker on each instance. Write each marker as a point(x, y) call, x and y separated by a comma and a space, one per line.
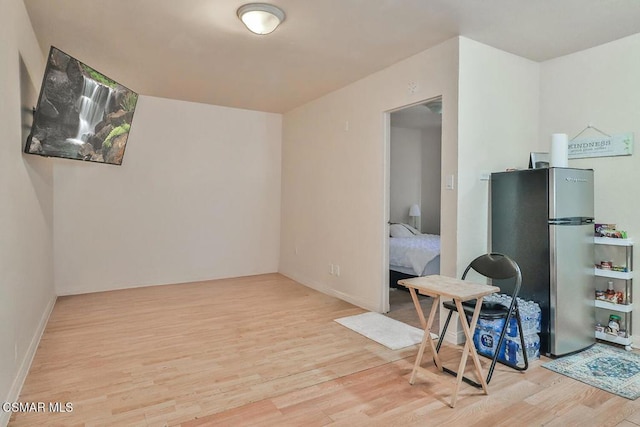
point(414, 168)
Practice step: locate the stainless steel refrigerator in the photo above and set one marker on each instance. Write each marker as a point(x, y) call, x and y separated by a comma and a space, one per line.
point(543, 219)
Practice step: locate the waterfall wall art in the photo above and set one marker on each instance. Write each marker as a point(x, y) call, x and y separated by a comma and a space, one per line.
point(81, 113)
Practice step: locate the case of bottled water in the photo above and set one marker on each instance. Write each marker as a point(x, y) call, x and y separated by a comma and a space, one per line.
point(487, 332)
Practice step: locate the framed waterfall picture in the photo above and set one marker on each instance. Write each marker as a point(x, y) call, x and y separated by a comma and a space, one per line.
point(81, 113)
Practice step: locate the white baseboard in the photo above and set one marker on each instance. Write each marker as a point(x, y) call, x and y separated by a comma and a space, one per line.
point(66, 290)
point(25, 365)
point(454, 337)
point(367, 305)
point(635, 342)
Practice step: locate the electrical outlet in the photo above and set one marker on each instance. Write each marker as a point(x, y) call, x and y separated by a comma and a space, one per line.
point(336, 270)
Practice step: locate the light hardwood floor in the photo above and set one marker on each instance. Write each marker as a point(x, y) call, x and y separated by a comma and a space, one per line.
point(265, 350)
point(402, 308)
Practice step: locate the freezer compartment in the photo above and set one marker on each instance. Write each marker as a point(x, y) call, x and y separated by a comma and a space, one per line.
point(570, 193)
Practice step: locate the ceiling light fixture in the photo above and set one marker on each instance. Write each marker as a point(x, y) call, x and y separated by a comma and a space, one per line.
point(260, 18)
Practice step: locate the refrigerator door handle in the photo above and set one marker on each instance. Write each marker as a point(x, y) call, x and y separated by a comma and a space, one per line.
point(571, 221)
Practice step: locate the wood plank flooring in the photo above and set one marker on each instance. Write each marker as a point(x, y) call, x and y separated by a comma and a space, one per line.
point(264, 350)
point(402, 308)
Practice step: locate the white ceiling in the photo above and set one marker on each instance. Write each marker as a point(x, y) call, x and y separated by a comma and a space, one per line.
point(198, 50)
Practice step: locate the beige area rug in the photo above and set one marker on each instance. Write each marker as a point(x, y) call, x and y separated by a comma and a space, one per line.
point(391, 333)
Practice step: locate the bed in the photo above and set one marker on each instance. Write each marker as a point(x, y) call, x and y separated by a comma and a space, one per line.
point(412, 253)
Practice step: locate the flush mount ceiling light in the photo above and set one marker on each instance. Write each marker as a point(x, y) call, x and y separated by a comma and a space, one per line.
point(260, 18)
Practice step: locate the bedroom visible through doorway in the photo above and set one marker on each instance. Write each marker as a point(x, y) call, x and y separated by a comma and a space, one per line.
point(414, 198)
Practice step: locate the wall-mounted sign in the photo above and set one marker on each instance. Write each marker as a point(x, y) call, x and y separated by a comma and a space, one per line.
point(601, 146)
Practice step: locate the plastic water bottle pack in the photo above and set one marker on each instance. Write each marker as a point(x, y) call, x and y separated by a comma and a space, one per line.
point(487, 332)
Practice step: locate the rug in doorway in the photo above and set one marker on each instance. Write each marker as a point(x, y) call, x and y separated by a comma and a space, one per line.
point(389, 332)
point(603, 366)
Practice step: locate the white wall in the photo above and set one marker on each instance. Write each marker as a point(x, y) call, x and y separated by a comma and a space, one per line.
point(335, 181)
point(26, 268)
point(197, 197)
point(431, 172)
point(406, 171)
point(415, 175)
point(498, 128)
point(599, 86)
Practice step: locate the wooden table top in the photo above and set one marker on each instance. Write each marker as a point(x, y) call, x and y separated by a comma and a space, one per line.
point(448, 287)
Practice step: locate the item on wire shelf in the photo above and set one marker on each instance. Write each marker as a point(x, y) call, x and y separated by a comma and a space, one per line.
point(620, 268)
point(609, 230)
point(614, 325)
point(606, 265)
point(610, 293)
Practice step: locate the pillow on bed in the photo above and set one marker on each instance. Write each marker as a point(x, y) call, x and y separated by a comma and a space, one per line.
point(401, 230)
point(411, 229)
